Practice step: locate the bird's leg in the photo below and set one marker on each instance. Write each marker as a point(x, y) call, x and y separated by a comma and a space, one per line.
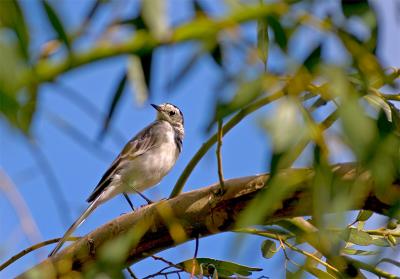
point(129, 201)
point(149, 201)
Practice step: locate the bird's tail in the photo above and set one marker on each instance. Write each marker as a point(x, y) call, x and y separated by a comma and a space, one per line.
point(75, 225)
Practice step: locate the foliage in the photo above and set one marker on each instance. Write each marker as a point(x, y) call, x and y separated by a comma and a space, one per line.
point(311, 93)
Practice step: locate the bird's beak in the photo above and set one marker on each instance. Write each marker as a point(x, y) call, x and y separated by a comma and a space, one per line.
point(158, 108)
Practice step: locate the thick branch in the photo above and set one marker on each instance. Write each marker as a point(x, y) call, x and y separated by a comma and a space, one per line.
point(204, 212)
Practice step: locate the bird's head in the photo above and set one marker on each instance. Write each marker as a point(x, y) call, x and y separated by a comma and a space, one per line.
point(170, 113)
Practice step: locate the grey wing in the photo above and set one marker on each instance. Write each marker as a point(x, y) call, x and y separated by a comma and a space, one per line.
point(142, 142)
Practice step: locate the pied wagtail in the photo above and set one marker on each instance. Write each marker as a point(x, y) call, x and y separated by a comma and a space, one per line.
point(143, 162)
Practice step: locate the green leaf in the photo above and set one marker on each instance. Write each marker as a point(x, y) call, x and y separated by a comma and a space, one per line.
point(12, 17)
point(313, 59)
point(395, 115)
point(216, 54)
point(279, 33)
point(385, 124)
point(366, 63)
point(286, 126)
point(262, 40)
point(136, 21)
point(116, 97)
point(363, 215)
point(198, 8)
point(362, 238)
point(358, 237)
point(392, 240)
point(223, 268)
point(137, 77)
point(379, 103)
point(366, 13)
point(350, 251)
point(268, 248)
point(56, 23)
point(359, 130)
point(351, 7)
point(155, 16)
point(17, 102)
point(381, 241)
point(146, 61)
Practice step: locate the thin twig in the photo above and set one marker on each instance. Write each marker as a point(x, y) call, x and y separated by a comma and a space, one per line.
point(269, 233)
point(305, 253)
point(196, 250)
point(219, 157)
point(165, 274)
point(130, 271)
point(171, 264)
point(287, 258)
point(33, 248)
point(213, 139)
point(162, 271)
point(63, 209)
point(25, 218)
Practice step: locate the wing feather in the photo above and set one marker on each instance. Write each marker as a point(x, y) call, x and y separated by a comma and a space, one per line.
point(138, 145)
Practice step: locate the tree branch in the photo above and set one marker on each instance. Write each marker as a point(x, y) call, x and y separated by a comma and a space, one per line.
point(202, 212)
point(142, 41)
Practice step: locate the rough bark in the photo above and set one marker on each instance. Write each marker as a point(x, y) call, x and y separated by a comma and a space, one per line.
point(201, 212)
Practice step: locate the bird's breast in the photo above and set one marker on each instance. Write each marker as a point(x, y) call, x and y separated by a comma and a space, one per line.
point(149, 168)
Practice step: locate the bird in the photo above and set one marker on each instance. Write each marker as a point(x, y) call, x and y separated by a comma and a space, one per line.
point(142, 163)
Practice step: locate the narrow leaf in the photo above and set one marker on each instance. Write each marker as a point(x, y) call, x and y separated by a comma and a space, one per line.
point(17, 104)
point(279, 33)
point(116, 97)
point(350, 251)
point(379, 103)
point(11, 16)
point(155, 16)
point(146, 61)
point(395, 116)
point(392, 240)
point(367, 14)
point(216, 54)
point(364, 215)
point(200, 12)
point(313, 59)
point(137, 78)
point(351, 7)
point(56, 23)
point(358, 237)
point(262, 40)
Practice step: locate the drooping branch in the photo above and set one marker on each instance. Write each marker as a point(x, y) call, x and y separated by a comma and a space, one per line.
point(204, 212)
point(143, 41)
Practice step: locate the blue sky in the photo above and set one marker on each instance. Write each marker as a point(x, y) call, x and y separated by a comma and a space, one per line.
point(77, 169)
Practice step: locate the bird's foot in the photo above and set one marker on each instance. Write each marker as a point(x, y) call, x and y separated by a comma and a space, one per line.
point(149, 201)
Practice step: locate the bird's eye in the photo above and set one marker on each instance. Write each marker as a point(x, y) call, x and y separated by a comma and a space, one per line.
point(171, 113)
